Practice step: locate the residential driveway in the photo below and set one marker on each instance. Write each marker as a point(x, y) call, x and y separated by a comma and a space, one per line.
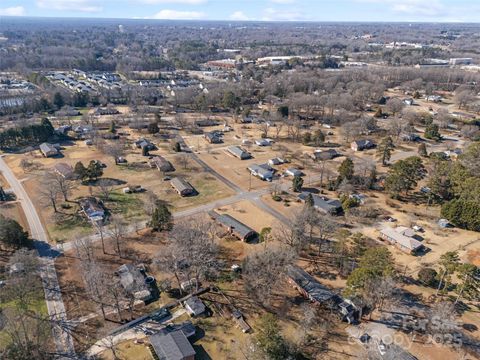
point(48, 274)
point(131, 334)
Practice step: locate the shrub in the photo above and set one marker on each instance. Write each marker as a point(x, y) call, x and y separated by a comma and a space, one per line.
point(427, 276)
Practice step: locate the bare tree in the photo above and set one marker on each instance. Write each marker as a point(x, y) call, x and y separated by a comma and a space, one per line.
point(183, 160)
point(264, 271)
point(106, 187)
point(62, 184)
point(117, 233)
point(49, 194)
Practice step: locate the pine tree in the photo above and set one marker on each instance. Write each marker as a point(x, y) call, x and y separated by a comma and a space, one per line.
point(161, 218)
point(80, 170)
point(384, 150)
point(309, 200)
point(297, 183)
point(346, 170)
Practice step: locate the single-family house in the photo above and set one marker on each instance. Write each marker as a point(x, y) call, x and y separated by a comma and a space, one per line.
point(276, 161)
point(434, 98)
point(293, 172)
point(48, 150)
point(327, 154)
point(235, 227)
point(322, 204)
point(172, 346)
point(263, 142)
point(403, 238)
point(194, 306)
point(360, 145)
point(310, 288)
point(408, 101)
point(263, 171)
point(411, 137)
point(182, 187)
point(64, 170)
point(63, 129)
point(133, 281)
point(144, 143)
point(213, 138)
point(206, 123)
point(238, 152)
point(186, 327)
point(92, 208)
point(161, 164)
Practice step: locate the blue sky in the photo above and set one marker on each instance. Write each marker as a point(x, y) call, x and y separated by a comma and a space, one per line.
point(265, 10)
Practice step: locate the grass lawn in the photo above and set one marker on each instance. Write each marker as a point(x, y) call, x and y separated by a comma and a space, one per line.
point(38, 306)
point(129, 350)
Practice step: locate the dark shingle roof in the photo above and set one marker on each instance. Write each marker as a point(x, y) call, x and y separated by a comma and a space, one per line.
point(316, 291)
point(238, 227)
point(173, 346)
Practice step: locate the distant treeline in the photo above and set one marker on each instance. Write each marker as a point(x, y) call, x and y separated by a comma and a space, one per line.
point(27, 135)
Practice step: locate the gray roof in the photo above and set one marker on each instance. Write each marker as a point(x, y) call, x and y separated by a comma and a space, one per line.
point(315, 291)
point(239, 152)
point(181, 185)
point(263, 170)
point(131, 278)
point(321, 203)
point(46, 147)
point(173, 346)
point(237, 227)
point(162, 164)
point(186, 327)
point(196, 305)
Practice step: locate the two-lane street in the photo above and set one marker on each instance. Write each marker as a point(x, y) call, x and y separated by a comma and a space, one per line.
point(48, 274)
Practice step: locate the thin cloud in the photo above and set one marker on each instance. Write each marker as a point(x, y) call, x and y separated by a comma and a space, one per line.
point(13, 11)
point(271, 14)
point(239, 16)
point(178, 15)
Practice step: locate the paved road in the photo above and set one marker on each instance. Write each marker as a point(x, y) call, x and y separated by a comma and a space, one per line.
point(48, 274)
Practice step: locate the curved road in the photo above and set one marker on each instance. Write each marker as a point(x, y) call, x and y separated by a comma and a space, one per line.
point(48, 274)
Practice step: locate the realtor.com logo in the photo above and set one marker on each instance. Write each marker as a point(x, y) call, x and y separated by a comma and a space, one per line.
point(429, 332)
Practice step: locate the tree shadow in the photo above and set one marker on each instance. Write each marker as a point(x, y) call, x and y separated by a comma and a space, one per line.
point(45, 250)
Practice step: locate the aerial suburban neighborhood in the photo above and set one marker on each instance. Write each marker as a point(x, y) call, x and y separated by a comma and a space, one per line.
point(260, 188)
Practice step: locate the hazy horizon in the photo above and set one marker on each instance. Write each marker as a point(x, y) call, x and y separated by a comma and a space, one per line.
point(436, 11)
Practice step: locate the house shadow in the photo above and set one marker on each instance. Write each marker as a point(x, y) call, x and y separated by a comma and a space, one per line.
point(114, 182)
point(310, 190)
point(201, 354)
point(45, 250)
